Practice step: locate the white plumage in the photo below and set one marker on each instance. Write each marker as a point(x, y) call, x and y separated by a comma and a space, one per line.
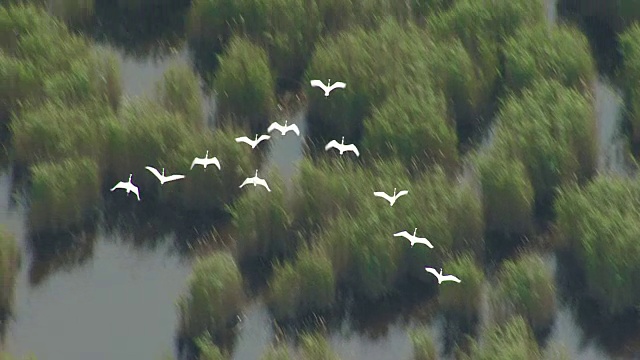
point(206, 161)
point(127, 186)
point(255, 180)
point(163, 179)
point(391, 199)
point(441, 277)
point(413, 238)
point(328, 88)
point(255, 142)
point(284, 129)
point(342, 147)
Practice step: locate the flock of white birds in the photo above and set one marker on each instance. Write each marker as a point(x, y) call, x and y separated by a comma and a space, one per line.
point(255, 180)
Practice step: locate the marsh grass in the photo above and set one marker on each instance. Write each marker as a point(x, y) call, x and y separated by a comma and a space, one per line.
point(512, 340)
point(208, 350)
point(630, 49)
point(179, 91)
point(423, 343)
point(10, 259)
point(73, 11)
point(213, 298)
point(316, 347)
point(245, 85)
point(276, 352)
point(64, 194)
point(526, 287)
point(462, 301)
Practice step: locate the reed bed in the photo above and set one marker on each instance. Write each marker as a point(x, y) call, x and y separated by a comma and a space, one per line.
point(462, 301)
point(512, 340)
point(179, 92)
point(276, 352)
point(316, 347)
point(423, 343)
point(10, 259)
point(630, 49)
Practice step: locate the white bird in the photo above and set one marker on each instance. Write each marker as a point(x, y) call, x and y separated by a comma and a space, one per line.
point(254, 142)
point(284, 129)
point(206, 161)
point(391, 199)
point(441, 277)
point(328, 88)
point(127, 186)
point(255, 180)
point(413, 238)
point(163, 179)
point(342, 147)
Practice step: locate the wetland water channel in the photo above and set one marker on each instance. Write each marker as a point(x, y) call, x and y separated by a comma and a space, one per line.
point(112, 296)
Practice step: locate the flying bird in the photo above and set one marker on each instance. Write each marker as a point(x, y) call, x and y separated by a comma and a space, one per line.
point(441, 277)
point(206, 161)
point(328, 88)
point(413, 238)
point(255, 180)
point(284, 129)
point(127, 186)
point(254, 142)
point(342, 147)
point(163, 179)
point(391, 199)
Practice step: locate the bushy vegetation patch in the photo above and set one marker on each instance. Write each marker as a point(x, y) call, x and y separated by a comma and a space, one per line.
point(276, 352)
point(462, 300)
point(512, 340)
point(601, 224)
point(316, 347)
point(208, 350)
point(213, 298)
point(424, 345)
point(179, 92)
point(630, 48)
point(64, 194)
point(9, 267)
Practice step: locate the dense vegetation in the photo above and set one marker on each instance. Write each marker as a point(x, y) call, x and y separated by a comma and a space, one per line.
point(422, 79)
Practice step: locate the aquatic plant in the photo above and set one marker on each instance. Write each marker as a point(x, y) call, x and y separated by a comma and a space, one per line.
point(245, 85)
point(412, 124)
point(262, 222)
point(630, 48)
point(510, 341)
point(462, 300)
point(601, 224)
point(424, 347)
point(9, 267)
point(208, 350)
point(213, 298)
point(562, 53)
point(507, 193)
point(73, 11)
point(179, 91)
point(526, 287)
point(64, 194)
point(276, 352)
point(316, 347)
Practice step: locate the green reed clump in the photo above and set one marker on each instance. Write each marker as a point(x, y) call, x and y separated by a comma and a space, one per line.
point(9, 267)
point(552, 130)
point(462, 300)
point(556, 351)
point(179, 91)
point(208, 350)
point(423, 8)
point(303, 286)
point(55, 131)
point(64, 194)
point(21, 18)
point(507, 193)
point(412, 124)
point(245, 85)
point(19, 80)
point(424, 346)
point(276, 352)
point(213, 298)
point(512, 340)
point(316, 347)
point(262, 221)
point(51, 52)
point(73, 11)
point(210, 188)
point(526, 287)
point(562, 53)
point(601, 224)
point(630, 48)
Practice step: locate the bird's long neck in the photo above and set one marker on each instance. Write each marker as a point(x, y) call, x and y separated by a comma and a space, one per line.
point(162, 171)
point(329, 83)
point(255, 138)
point(285, 123)
point(394, 192)
point(130, 175)
point(256, 175)
point(342, 141)
point(440, 271)
point(206, 155)
point(414, 231)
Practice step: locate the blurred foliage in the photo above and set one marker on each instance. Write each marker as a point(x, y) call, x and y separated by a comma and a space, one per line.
point(316, 347)
point(10, 259)
point(179, 92)
point(630, 49)
point(513, 340)
point(462, 300)
point(276, 352)
point(424, 344)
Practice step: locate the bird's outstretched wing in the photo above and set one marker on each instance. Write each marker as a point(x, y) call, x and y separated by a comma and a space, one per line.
point(154, 172)
point(246, 181)
point(318, 83)
point(174, 177)
point(424, 241)
point(274, 126)
point(196, 161)
point(337, 85)
point(120, 185)
point(382, 195)
point(450, 278)
point(263, 137)
point(263, 183)
point(352, 148)
point(244, 139)
point(403, 234)
point(134, 189)
point(215, 162)
point(294, 128)
point(331, 144)
point(432, 271)
point(403, 192)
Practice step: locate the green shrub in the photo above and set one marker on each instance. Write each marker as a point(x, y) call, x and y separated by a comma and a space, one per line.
point(245, 85)
point(73, 11)
point(462, 300)
point(179, 91)
point(262, 222)
point(412, 124)
point(64, 194)
point(51, 52)
point(213, 297)
point(507, 193)
point(630, 49)
point(551, 129)
point(601, 224)
point(560, 53)
point(19, 80)
point(208, 350)
point(526, 287)
point(316, 347)
point(276, 352)
point(9, 267)
point(55, 131)
point(512, 341)
point(21, 18)
point(424, 347)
